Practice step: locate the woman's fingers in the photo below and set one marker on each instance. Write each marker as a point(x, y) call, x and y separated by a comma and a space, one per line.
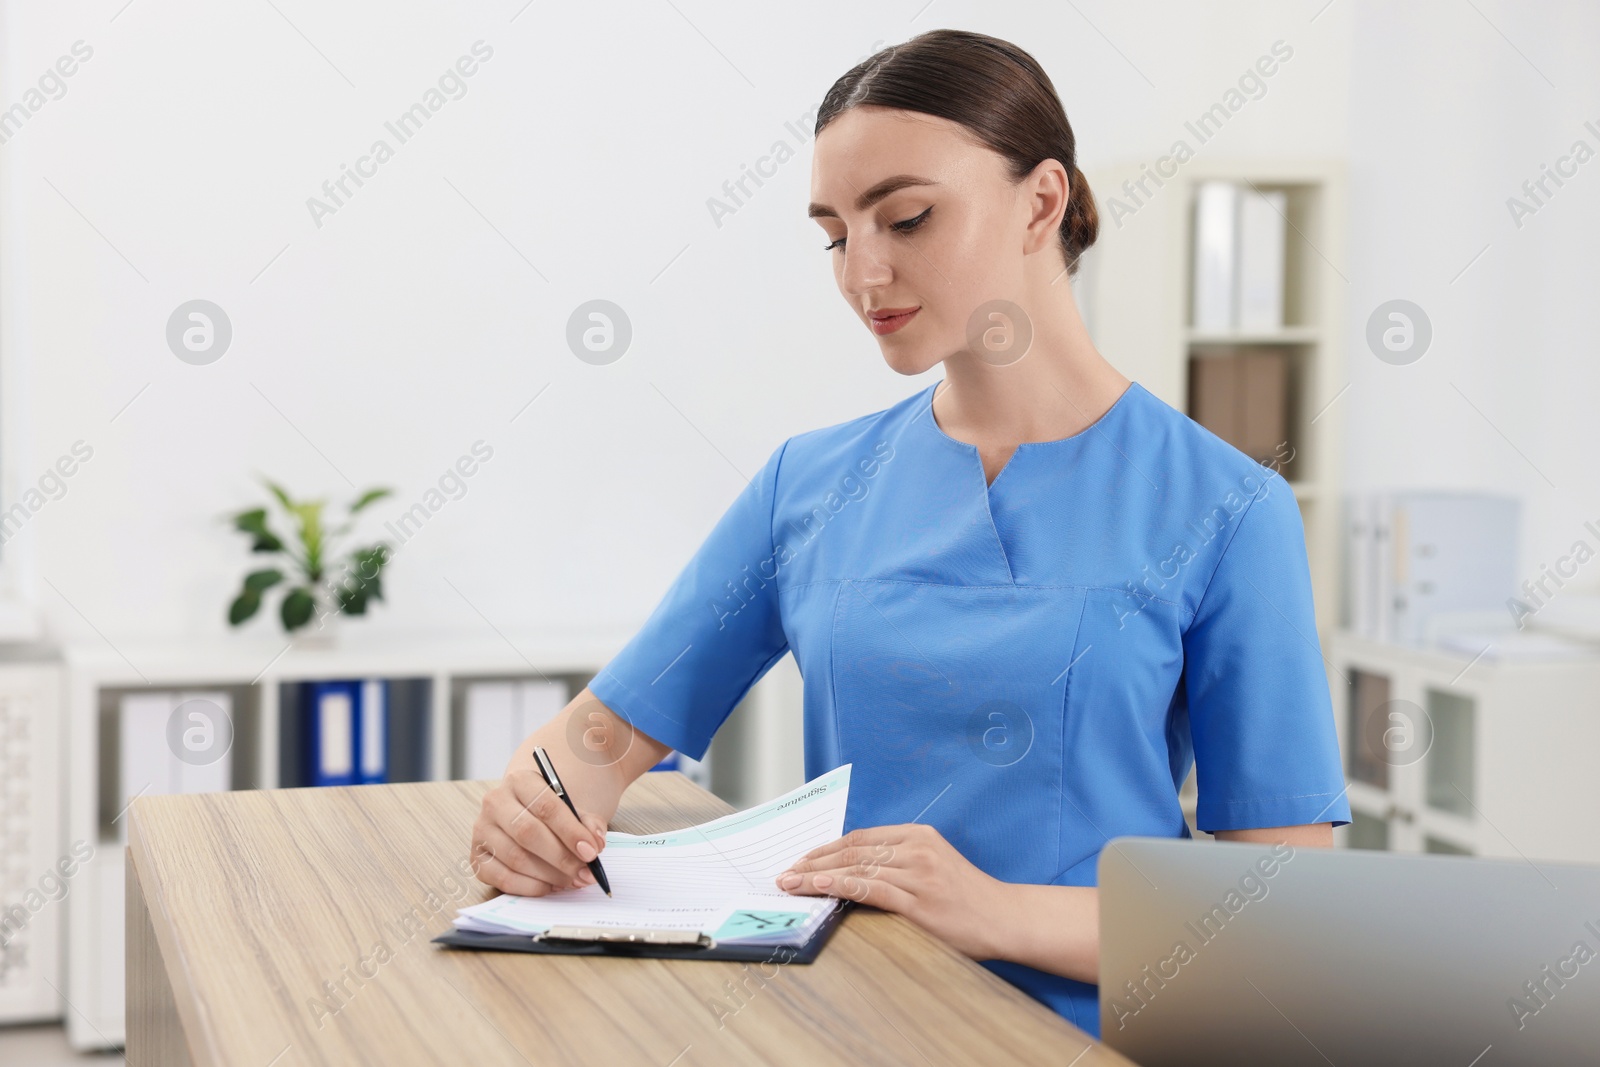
point(524, 825)
point(847, 884)
point(864, 859)
point(514, 857)
point(873, 837)
point(528, 842)
point(597, 826)
point(541, 803)
point(492, 872)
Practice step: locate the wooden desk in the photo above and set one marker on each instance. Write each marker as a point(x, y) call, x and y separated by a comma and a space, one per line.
point(241, 906)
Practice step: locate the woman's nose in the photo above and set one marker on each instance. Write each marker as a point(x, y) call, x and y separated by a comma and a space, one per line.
point(866, 267)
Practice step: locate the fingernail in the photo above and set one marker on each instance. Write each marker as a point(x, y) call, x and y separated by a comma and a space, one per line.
point(788, 880)
point(586, 876)
point(586, 851)
point(822, 881)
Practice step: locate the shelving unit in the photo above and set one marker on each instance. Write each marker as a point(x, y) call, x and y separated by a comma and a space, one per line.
point(1135, 286)
point(752, 757)
point(1495, 760)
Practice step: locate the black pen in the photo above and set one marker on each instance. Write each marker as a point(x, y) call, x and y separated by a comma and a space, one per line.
point(553, 779)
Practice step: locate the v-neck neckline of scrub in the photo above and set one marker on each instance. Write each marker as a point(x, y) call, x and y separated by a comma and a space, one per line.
point(972, 449)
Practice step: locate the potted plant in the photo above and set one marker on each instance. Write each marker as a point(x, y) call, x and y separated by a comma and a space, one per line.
point(311, 591)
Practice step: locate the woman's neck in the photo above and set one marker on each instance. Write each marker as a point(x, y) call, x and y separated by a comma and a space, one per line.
point(1060, 387)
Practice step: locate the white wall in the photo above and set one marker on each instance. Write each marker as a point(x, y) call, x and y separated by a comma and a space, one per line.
point(405, 327)
point(1452, 109)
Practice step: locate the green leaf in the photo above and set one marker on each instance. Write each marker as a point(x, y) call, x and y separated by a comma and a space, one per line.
point(352, 601)
point(369, 561)
point(297, 608)
point(254, 523)
point(362, 579)
point(370, 496)
point(243, 606)
point(277, 491)
point(260, 581)
point(311, 536)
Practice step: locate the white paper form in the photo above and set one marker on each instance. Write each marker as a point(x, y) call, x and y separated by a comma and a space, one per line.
point(716, 878)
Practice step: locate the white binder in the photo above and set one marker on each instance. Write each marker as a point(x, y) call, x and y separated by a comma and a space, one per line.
point(1261, 252)
point(1216, 211)
point(499, 716)
point(150, 763)
point(374, 731)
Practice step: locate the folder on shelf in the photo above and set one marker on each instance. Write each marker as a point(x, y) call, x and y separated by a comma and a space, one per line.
point(149, 761)
point(346, 735)
point(1242, 396)
point(499, 715)
point(1383, 565)
point(1216, 209)
point(1239, 258)
point(374, 732)
point(1453, 552)
point(333, 712)
point(703, 892)
point(1360, 610)
point(1262, 216)
point(1418, 556)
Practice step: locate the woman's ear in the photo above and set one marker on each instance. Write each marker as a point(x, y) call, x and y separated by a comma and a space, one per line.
point(1047, 191)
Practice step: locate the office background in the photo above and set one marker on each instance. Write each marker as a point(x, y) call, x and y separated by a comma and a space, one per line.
point(424, 314)
point(377, 336)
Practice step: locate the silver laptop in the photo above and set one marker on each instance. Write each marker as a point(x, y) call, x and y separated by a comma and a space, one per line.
point(1229, 953)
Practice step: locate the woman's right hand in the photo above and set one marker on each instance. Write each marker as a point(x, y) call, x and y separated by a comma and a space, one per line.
point(526, 842)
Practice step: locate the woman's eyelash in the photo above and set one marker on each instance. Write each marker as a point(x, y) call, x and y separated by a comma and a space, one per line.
point(908, 225)
point(903, 226)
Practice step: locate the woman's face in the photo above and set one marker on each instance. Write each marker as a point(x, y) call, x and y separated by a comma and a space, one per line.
point(925, 227)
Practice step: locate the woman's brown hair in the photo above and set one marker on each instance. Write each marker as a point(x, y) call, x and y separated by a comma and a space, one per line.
point(991, 87)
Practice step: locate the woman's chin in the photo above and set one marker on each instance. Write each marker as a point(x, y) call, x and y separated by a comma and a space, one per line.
point(909, 360)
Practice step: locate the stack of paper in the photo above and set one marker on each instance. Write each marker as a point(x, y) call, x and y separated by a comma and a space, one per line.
point(717, 878)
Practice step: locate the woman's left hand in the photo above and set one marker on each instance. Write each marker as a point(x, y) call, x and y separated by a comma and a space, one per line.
point(910, 869)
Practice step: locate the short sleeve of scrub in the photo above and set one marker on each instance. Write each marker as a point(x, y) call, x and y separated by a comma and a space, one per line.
point(712, 636)
point(1259, 710)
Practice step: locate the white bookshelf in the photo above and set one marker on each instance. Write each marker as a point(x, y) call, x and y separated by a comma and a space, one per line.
point(1135, 286)
point(756, 756)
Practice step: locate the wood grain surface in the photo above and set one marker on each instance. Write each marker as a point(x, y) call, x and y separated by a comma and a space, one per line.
point(293, 927)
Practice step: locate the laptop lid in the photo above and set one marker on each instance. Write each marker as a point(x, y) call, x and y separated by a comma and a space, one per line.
point(1227, 953)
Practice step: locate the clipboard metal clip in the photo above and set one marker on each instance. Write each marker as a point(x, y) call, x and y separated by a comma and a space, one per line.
point(627, 935)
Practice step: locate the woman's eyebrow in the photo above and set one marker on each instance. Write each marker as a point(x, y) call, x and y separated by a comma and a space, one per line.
point(871, 196)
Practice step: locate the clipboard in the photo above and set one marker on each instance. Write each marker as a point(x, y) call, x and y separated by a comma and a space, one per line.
point(649, 944)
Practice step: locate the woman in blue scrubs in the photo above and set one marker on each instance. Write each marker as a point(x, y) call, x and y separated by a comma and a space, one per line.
point(1024, 601)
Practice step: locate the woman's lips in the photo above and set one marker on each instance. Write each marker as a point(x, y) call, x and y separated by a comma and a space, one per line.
point(888, 320)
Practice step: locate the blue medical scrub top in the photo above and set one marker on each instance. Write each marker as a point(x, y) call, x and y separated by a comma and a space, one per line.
point(1032, 666)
